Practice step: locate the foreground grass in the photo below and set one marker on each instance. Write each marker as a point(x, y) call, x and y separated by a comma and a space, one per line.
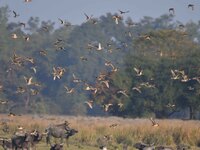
point(128, 131)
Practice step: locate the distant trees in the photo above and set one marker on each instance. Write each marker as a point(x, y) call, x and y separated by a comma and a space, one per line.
point(155, 46)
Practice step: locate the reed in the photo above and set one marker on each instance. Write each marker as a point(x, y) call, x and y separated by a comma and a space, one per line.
point(127, 131)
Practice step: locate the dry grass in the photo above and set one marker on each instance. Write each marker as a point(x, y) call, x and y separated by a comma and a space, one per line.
point(129, 131)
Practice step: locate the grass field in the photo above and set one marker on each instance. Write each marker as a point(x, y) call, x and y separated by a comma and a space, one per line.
point(128, 132)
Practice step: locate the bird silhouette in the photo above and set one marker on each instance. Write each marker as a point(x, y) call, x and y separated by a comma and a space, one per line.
point(172, 11)
point(107, 106)
point(154, 124)
point(28, 80)
point(123, 92)
point(68, 90)
point(89, 103)
point(123, 12)
point(117, 18)
point(3, 102)
point(139, 71)
point(191, 6)
point(22, 24)
point(88, 17)
point(15, 14)
point(14, 36)
point(61, 21)
point(99, 47)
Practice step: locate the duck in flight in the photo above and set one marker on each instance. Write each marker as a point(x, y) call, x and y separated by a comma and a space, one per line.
point(34, 92)
point(123, 12)
point(99, 47)
point(191, 6)
point(28, 80)
point(88, 17)
point(20, 90)
point(15, 14)
point(172, 11)
point(14, 36)
point(68, 90)
point(123, 92)
point(75, 79)
point(139, 71)
point(107, 106)
point(89, 103)
point(22, 24)
point(3, 102)
point(34, 69)
point(117, 18)
point(106, 83)
point(138, 89)
point(154, 123)
point(61, 21)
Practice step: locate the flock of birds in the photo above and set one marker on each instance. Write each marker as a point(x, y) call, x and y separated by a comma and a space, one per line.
point(102, 78)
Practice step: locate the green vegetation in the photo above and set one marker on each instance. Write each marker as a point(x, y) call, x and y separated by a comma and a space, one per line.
point(156, 46)
point(126, 132)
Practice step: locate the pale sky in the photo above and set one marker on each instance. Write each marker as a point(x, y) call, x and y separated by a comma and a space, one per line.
point(73, 10)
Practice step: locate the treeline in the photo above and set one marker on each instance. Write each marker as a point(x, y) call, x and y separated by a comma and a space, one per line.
point(152, 67)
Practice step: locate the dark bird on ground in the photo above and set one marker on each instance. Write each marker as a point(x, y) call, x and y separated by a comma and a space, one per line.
point(114, 125)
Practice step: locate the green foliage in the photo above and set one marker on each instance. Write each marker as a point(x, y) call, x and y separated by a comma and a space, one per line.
point(126, 47)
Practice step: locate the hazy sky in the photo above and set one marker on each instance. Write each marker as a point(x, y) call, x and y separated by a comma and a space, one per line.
point(73, 10)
